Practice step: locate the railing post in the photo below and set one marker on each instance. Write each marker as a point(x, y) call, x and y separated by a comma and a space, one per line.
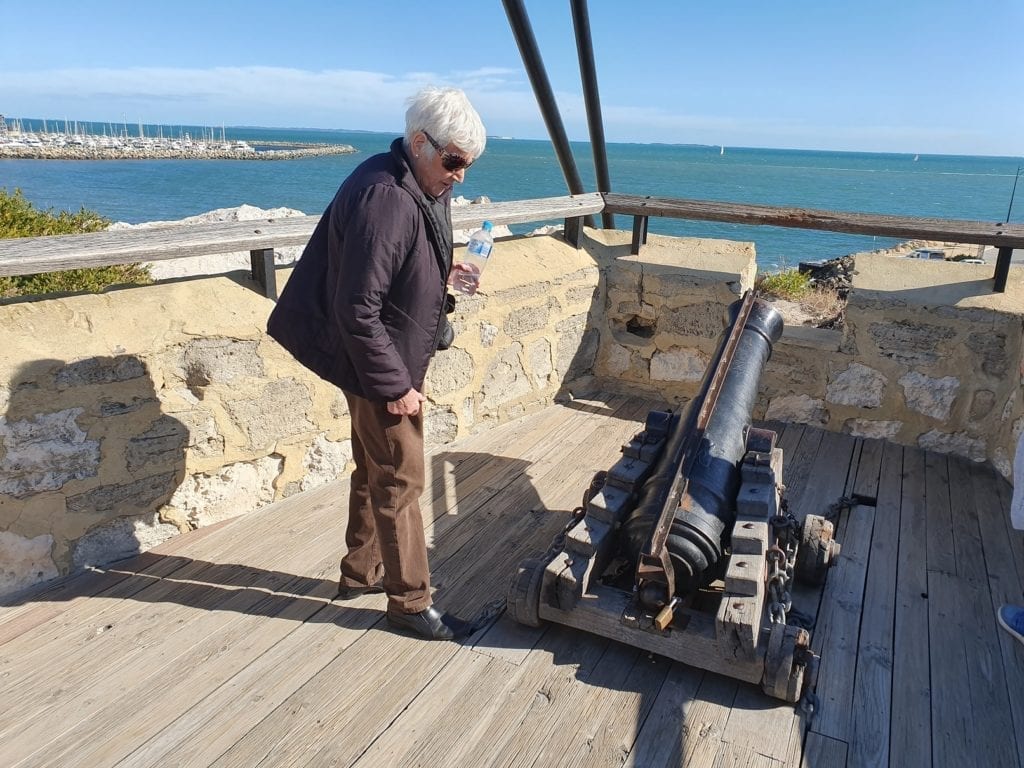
point(639, 234)
point(1002, 270)
point(263, 271)
point(572, 230)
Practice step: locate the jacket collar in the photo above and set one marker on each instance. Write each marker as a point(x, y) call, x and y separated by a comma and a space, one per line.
point(439, 231)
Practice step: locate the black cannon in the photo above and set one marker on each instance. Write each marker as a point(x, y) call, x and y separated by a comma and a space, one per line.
point(694, 501)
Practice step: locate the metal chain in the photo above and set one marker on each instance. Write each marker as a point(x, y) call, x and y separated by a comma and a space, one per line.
point(781, 557)
point(558, 543)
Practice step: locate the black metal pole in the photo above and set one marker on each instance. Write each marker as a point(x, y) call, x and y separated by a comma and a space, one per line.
point(516, 13)
point(595, 124)
point(1012, 193)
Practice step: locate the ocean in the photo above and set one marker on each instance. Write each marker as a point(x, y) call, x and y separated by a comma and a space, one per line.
point(941, 186)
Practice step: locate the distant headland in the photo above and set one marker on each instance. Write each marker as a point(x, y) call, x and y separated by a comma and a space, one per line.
point(72, 144)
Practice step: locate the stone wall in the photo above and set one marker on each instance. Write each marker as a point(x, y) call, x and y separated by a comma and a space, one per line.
point(928, 356)
point(130, 416)
point(665, 309)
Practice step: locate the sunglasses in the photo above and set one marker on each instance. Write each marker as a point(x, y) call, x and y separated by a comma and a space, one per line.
point(451, 161)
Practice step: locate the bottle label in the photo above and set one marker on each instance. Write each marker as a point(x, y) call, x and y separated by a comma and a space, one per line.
point(479, 248)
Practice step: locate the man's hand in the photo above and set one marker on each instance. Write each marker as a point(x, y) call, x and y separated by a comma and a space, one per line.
point(464, 277)
point(408, 404)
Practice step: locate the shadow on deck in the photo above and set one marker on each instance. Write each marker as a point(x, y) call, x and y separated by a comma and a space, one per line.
point(222, 648)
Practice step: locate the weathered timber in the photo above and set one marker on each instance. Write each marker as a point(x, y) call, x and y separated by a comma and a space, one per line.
point(950, 230)
point(698, 645)
point(180, 663)
point(56, 253)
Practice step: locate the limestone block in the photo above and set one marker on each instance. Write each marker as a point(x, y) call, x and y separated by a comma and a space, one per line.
point(577, 346)
point(517, 295)
point(451, 370)
point(125, 498)
point(982, 403)
point(798, 409)
point(526, 320)
point(120, 538)
point(235, 489)
point(590, 275)
point(910, 342)
point(44, 452)
point(108, 407)
point(989, 349)
point(538, 353)
point(163, 443)
point(617, 359)
point(626, 281)
point(678, 364)
point(186, 395)
point(634, 307)
point(930, 396)
point(99, 370)
point(219, 360)
point(882, 430)
point(792, 367)
point(705, 320)
point(325, 462)
point(24, 561)
point(280, 410)
point(858, 385)
point(505, 378)
point(488, 333)
point(339, 405)
point(582, 294)
point(958, 443)
point(203, 437)
point(440, 425)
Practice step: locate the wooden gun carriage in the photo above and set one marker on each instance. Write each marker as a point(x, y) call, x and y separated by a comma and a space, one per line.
point(684, 547)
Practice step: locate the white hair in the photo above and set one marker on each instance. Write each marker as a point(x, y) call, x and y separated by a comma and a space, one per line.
point(447, 115)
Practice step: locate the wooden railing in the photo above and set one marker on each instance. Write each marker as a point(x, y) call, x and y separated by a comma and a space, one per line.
point(1003, 236)
point(56, 253)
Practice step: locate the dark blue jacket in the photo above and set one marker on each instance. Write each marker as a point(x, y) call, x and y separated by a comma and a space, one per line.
point(364, 307)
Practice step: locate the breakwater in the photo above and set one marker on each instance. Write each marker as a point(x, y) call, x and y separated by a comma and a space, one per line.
point(59, 147)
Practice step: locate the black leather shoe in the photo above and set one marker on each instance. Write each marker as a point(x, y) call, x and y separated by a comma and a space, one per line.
point(348, 593)
point(430, 624)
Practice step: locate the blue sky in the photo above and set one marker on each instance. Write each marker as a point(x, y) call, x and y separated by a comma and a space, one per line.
point(927, 76)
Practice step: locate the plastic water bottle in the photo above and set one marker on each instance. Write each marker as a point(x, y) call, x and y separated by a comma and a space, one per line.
point(466, 274)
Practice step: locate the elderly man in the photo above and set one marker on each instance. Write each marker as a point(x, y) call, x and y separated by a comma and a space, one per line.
point(365, 309)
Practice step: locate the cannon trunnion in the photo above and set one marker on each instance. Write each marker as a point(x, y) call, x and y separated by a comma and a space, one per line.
point(683, 547)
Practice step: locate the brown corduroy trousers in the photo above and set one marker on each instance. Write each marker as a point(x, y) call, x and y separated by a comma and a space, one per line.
point(385, 537)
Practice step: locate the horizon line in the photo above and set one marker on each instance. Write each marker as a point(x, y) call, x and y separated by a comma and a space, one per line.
point(517, 138)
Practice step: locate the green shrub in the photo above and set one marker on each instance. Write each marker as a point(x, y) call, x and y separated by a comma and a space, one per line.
point(790, 284)
point(18, 218)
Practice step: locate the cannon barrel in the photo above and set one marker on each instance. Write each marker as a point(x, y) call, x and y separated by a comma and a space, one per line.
point(706, 508)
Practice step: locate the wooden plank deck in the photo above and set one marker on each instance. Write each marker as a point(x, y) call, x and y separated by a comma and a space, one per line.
point(222, 648)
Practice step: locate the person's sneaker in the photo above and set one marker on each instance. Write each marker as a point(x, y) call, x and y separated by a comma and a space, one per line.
point(1011, 618)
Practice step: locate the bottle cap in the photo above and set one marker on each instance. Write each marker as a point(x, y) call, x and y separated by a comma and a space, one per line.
point(487, 225)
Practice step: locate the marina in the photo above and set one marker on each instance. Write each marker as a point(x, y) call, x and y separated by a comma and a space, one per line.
point(17, 142)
